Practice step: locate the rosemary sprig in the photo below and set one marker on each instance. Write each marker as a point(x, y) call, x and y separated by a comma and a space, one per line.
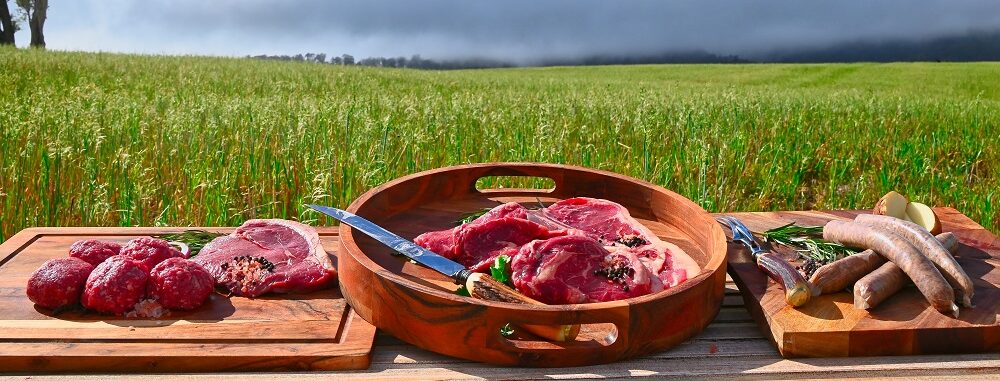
point(468, 217)
point(195, 239)
point(808, 242)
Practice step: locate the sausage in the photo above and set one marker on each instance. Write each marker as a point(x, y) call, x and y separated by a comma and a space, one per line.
point(928, 279)
point(930, 247)
point(836, 276)
point(889, 279)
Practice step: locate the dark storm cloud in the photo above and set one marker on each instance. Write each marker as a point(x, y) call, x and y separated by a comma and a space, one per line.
point(513, 29)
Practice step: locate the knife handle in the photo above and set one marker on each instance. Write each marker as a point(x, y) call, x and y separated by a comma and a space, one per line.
point(482, 286)
point(797, 290)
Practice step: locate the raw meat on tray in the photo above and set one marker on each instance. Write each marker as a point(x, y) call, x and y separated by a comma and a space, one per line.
point(577, 269)
point(610, 223)
point(577, 250)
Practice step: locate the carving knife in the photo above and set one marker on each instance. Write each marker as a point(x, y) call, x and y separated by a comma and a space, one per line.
point(480, 286)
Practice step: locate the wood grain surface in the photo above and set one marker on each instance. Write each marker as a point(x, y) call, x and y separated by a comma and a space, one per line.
point(317, 330)
point(418, 305)
point(904, 324)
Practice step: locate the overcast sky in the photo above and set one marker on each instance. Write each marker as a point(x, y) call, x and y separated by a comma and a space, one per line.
point(509, 29)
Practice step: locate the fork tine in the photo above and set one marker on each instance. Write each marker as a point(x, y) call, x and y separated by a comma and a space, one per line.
point(743, 228)
point(736, 224)
point(727, 220)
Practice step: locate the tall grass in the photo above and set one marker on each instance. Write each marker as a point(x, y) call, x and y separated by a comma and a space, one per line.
point(118, 140)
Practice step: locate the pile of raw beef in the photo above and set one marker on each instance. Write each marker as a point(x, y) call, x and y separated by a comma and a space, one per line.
point(578, 250)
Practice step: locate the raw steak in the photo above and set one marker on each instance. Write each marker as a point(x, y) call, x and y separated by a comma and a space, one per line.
point(479, 244)
point(577, 269)
point(442, 242)
point(610, 224)
point(269, 255)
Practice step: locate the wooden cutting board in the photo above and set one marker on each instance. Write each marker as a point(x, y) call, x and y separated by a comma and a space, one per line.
point(316, 331)
point(904, 324)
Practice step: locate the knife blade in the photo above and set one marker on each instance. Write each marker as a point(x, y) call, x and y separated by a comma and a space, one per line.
point(480, 286)
point(399, 244)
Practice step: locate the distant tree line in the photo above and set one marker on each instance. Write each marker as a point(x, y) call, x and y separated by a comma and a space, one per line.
point(414, 62)
point(973, 46)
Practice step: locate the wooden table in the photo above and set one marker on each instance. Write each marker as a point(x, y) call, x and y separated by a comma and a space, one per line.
point(731, 346)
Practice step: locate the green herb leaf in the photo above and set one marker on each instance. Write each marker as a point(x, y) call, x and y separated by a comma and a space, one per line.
point(462, 291)
point(507, 330)
point(501, 270)
point(469, 217)
point(808, 242)
point(195, 239)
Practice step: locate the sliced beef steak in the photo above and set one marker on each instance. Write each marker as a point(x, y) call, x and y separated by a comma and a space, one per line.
point(479, 244)
point(611, 224)
point(577, 269)
point(443, 241)
point(268, 255)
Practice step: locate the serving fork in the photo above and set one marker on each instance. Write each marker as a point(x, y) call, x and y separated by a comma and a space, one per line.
point(797, 291)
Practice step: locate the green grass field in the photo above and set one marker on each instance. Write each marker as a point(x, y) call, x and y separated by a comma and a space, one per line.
point(118, 140)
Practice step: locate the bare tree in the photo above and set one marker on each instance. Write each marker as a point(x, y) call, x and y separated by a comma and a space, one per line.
point(35, 12)
point(7, 25)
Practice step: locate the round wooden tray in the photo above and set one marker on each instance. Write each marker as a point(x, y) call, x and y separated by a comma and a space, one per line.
point(419, 306)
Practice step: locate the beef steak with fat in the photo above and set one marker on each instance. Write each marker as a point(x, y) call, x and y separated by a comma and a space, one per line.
point(443, 242)
point(577, 269)
point(268, 255)
point(479, 244)
point(611, 224)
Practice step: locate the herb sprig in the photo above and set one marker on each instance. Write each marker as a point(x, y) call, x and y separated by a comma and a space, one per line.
point(195, 239)
point(469, 217)
point(808, 242)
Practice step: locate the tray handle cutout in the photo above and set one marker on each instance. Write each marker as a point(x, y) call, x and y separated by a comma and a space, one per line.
point(516, 178)
point(488, 184)
point(601, 334)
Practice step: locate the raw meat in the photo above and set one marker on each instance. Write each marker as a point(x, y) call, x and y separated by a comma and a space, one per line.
point(577, 269)
point(148, 251)
point(611, 224)
point(58, 282)
point(115, 286)
point(442, 242)
point(479, 244)
point(268, 255)
point(94, 251)
point(178, 283)
point(510, 209)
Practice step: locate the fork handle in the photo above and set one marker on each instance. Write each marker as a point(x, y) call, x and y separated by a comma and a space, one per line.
point(797, 290)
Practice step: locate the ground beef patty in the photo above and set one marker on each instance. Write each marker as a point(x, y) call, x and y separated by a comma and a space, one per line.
point(178, 283)
point(149, 252)
point(94, 251)
point(59, 282)
point(115, 286)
